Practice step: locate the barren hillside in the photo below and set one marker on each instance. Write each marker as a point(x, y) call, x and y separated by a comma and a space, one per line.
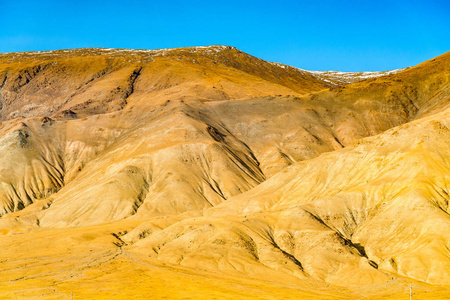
point(211, 163)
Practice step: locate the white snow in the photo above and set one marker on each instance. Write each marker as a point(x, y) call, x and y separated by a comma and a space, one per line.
point(339, 78)
point(147, 53)
point(330, 77)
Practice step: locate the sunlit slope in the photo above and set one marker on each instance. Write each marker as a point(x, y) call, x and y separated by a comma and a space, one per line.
point(384, 102)
point(212, 160)
point(216, 147)
point(129, 92)
point(357, 215)
point(86, 262)
point(284, 130)
point(91, 81)
point(173, 163)
point(412, 86)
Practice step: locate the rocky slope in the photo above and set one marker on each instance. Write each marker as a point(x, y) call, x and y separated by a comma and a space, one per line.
point(212, 159)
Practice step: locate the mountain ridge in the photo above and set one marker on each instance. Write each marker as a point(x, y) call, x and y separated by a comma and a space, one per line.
point(211, 159)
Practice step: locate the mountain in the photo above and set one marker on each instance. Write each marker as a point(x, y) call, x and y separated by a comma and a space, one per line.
point(211, 162)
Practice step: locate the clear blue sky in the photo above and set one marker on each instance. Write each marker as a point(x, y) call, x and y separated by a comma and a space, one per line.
point(314, 35)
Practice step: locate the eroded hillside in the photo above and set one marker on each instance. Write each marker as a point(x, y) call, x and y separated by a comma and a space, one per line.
point(212, 159)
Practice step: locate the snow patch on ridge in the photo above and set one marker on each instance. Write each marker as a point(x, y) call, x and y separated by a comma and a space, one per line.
point(342, 78)
point(144, 53)
point(331, 78)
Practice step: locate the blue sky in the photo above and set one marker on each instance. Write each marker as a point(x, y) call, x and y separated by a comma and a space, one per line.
point(315, 35)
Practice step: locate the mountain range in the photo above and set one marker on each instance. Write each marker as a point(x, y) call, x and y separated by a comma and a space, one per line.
point(206, 172)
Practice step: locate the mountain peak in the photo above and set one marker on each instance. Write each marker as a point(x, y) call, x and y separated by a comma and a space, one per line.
point(212, 162)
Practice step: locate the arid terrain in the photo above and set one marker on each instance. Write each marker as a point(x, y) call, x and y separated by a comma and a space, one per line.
point(208, 173)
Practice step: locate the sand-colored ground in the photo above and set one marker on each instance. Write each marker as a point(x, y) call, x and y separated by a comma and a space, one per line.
point(208, 173)
point(53, 264)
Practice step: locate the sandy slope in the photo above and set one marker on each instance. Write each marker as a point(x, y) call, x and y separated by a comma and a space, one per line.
point(206, 161)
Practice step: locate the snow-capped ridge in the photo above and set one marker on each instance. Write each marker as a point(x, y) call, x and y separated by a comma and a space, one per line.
point(342, 78)
point(134, 55)
point(331, 78)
